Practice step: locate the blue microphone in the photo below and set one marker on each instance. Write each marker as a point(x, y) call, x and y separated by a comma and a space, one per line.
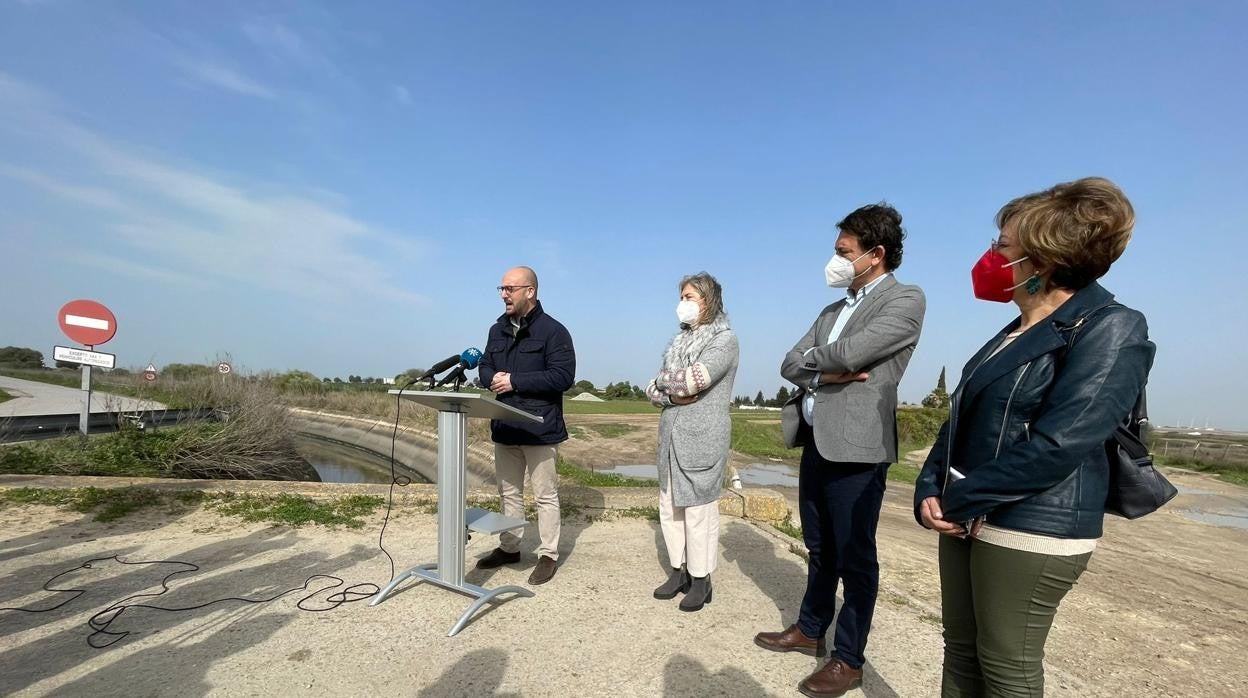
point(468, 360)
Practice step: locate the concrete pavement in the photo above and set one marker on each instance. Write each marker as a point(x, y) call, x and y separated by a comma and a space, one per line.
point(32, 398)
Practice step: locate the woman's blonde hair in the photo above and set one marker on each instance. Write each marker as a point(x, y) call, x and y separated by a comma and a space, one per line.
point(1071, 232)
point(712, 295)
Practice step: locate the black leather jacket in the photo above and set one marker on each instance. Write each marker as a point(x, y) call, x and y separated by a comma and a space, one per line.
point(1027, 427)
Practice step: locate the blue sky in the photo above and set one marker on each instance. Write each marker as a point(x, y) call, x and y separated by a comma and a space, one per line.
point(338, 187)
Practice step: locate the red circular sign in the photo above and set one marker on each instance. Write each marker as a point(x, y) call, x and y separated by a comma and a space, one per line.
point(87, 322)
point(149, 375)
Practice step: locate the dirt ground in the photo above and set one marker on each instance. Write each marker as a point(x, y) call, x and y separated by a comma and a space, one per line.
point(594, 630)
point(590, 450)
point(1161, 610)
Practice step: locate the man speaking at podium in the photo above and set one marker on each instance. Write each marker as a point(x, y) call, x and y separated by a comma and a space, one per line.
point(528, 363)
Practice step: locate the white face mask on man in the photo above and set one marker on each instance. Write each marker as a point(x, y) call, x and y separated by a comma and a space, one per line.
point(687, 312)
point(839, 273)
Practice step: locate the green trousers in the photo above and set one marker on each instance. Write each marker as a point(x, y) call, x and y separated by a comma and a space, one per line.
point(998, 605)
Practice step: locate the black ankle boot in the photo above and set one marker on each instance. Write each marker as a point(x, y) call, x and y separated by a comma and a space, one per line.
point(698, 595)
point(678, 583)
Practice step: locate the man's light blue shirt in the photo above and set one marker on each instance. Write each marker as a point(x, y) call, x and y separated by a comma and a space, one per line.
point(852, 301)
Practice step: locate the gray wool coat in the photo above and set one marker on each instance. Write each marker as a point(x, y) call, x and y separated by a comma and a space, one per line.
point(694, 439)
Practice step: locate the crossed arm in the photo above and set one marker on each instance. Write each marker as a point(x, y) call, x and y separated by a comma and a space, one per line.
point(681, 386)
point(814, 361)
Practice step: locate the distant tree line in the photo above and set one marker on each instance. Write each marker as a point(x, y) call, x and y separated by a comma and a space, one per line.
point(782, 396)
point(622, 390)
point(938, 398)
point(21, 357)
point(26, 358)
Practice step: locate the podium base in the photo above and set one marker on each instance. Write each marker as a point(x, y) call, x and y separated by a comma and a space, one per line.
point(429, 573)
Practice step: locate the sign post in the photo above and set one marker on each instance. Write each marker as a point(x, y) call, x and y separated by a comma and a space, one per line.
point(90, 323)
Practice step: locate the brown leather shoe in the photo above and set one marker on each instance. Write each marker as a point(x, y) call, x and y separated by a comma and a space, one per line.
point(543, 571)
point(834, 679)
point(791, 639)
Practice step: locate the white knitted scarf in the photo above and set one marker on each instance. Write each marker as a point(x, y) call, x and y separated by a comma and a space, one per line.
point(687, 345)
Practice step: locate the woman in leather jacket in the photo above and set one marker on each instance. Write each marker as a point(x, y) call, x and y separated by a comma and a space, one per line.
point(1016, 481)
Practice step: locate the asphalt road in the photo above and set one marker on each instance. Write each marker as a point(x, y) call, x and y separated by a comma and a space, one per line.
point(35, 398)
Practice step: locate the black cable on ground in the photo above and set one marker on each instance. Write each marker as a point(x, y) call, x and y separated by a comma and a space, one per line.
point(395, 479)
point(100, 623)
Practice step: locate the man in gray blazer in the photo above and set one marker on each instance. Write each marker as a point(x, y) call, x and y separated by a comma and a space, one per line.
point(847, 368)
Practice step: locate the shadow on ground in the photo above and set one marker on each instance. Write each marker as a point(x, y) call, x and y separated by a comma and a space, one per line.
point(189, 646)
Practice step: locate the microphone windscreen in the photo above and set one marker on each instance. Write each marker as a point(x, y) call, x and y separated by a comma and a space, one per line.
point(441, 366)
point(470, 357)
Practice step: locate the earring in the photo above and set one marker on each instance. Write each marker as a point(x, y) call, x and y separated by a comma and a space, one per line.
point(1033, 285)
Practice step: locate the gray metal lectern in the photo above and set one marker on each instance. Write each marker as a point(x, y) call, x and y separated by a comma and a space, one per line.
point(454, 409)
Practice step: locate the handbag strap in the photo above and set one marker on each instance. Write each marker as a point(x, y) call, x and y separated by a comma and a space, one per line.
point(1139, 413)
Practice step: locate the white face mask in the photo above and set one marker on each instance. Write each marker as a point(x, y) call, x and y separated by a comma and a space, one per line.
point(687, 312)
point(840, 271)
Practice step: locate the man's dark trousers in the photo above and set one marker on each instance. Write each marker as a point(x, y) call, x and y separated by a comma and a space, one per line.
point(840, 510)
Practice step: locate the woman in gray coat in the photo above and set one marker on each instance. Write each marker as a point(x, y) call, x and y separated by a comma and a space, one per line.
point(694, 388)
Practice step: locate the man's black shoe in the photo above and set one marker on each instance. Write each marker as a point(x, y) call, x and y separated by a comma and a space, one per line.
point(497, 558)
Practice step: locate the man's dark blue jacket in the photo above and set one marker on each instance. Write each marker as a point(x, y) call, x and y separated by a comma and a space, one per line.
point(542, 363)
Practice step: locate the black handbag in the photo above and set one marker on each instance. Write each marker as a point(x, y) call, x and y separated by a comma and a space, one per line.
point(1135, 486)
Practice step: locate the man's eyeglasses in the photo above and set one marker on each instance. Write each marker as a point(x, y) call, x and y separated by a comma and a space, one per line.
point(508, 290)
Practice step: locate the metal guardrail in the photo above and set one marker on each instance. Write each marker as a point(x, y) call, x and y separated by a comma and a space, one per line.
point(50, 426)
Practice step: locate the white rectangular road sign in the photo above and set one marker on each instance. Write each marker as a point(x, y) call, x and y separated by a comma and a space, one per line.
point(82, 356)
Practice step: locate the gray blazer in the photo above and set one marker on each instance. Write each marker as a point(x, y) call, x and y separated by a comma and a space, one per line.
point(856, 422)
point(694, 439)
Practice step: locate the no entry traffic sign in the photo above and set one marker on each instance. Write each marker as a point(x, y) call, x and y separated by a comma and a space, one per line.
point(87, 322)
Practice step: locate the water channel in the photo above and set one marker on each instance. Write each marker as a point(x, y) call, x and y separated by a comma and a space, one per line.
point(338, 462)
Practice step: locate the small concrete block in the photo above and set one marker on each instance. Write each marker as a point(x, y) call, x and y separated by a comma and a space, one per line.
point(764, 505)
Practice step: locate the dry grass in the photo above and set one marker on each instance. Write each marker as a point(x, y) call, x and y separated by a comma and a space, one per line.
point(253, 439)
point(381, 406)
point(257, 400)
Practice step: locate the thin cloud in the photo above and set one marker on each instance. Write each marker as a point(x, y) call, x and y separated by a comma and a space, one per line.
point(401, 94)
point(176, 219)
point(23, 96)
point(134, 270)
point(283, 44)
point(227, 78)
point(276, 37)
point(90, 196)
